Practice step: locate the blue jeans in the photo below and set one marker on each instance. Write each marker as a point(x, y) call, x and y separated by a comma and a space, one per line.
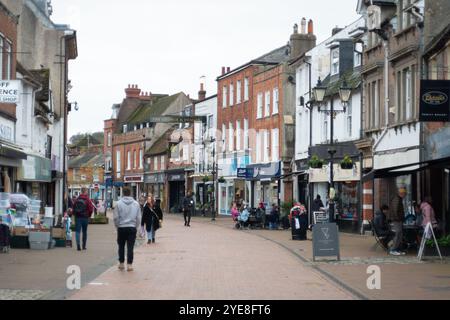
point(150, 232)
point(81, 224)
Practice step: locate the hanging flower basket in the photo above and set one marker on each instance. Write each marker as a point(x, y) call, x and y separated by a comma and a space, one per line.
point(315, 162)
point(347, 163)
point(221, 180)
point(205, 179)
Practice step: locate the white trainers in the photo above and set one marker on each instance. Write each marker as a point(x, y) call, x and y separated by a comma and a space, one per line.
point(395, 253)
point(130, 268)
point(121, 267)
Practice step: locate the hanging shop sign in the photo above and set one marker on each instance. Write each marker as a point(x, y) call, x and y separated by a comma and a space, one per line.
point(9, 91)
point(435, 101)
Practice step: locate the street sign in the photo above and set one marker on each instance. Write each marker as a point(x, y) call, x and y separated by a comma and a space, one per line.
point(326, 241)
point(321, 217)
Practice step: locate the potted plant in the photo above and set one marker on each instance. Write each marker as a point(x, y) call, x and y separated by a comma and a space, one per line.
point(444, 247)
point(221, 180)
point(347, 163)
point(315, 162)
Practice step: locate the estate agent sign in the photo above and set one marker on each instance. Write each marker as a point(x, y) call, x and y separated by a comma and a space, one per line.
point(435, 101)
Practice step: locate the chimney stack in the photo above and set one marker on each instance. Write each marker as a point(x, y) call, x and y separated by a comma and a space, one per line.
point(304, 41)
point(223, 70)
point(202, 92)
point(146, 96)
point(132, 91)
point(228, 70)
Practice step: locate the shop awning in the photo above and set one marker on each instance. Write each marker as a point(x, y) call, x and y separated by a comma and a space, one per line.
point(9, 151)
point(406, 169)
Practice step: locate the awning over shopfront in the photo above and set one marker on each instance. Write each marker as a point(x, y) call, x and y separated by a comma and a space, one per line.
point(406, 169)
point(12, 152)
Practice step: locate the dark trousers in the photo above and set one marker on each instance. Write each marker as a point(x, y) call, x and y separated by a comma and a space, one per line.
point(81, 224)
point(187, 217)
point(126, 236)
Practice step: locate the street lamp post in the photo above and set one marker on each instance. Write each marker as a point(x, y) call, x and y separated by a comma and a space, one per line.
point(319, 96)
point(214, 172)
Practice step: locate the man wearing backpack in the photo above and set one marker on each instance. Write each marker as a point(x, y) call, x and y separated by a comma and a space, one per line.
point(82, 209)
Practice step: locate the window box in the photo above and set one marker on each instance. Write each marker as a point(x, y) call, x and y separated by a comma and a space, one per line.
point(315, 162)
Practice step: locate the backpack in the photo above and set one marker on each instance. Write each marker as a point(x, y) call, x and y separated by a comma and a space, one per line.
point(80, 208)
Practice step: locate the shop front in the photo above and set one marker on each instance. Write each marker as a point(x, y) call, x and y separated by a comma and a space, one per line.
point(10, 160)
point(265, 180)
point(203, 188)
point(232, 186)
point(347, 185)
point(154, 185)
point(34, 178)
point(176, 181)
point(135, 182)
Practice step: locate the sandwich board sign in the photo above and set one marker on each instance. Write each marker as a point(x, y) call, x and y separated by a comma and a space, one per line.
point(321, 217)
point(326, 241)
point(427, 235)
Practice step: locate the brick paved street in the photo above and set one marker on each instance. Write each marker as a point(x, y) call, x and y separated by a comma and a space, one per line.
point(207, 262)
point(212, 260)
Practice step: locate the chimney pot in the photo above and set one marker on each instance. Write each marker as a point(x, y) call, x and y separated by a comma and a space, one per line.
point(310, 27)
point(304, 26)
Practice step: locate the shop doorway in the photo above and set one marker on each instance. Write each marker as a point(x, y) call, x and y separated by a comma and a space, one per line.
point(176, 195)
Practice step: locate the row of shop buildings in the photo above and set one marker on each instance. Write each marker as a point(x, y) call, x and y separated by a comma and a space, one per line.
point(34, 84)
point(255, 140)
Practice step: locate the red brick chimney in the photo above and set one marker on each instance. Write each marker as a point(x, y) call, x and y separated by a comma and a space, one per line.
point(133, 91)
point(202, 92)
point(223, 70)
point(228, 70)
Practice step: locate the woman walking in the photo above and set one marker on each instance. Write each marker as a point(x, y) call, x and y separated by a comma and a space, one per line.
point(151, 218)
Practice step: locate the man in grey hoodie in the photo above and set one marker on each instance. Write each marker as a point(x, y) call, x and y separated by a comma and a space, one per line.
point(127, 219)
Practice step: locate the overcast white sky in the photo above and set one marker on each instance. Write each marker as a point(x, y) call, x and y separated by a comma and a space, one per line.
point(165, 46)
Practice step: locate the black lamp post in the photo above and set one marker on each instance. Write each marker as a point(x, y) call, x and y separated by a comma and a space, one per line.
point(214, 172)
point(319, 97)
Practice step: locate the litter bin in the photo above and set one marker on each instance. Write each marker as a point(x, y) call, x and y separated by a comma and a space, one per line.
point(299, 227)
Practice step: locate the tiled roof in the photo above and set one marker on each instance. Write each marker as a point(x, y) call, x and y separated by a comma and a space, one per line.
point(148, 110)
point(160, 146)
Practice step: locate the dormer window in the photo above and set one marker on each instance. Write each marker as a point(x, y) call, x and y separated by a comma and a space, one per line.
point(334, 61)
point(125, 128)
point(358, 54)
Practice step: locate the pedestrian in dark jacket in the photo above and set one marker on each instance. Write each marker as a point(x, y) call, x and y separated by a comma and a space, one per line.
point(188, 207)
point(151, 218)
point(395, 217)
point(317, 204)
point(82, 209)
